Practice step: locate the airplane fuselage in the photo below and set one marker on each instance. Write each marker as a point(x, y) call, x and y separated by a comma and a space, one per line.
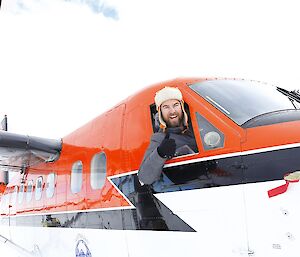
point(213, 202)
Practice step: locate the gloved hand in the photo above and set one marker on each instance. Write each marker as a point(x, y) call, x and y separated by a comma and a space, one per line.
point(167, 147)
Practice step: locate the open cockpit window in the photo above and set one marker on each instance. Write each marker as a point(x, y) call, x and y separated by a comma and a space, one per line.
point(155, 121)
point(249, 103)
point(184, 150)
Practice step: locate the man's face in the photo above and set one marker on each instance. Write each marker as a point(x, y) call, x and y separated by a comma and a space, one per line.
point(172, 113)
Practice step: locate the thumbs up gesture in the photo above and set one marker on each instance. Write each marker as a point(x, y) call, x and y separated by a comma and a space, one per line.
point(167, 147)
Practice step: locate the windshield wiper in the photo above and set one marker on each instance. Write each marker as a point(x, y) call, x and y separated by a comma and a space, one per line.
point(294, 95)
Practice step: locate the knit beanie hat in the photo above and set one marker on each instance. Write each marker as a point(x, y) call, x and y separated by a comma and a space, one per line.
point(168, 93)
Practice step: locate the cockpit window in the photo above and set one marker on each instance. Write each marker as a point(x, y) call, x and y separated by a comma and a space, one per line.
point(212, 138)
point(184, 150)
point(243, 100)
point(154, 117)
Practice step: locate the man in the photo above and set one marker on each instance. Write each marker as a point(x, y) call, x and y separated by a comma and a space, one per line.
point(173, 139)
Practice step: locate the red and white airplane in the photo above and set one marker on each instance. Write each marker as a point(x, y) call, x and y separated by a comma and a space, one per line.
point(236, 196)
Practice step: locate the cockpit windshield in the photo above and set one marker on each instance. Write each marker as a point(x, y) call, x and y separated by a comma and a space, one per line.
point(243, 100)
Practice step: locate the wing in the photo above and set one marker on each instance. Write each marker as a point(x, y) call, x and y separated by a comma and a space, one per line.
point(19, 151)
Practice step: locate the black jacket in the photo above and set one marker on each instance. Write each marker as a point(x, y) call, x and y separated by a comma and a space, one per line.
point(152, 164)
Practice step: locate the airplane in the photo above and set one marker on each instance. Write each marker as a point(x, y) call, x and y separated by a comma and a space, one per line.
point(236, 196)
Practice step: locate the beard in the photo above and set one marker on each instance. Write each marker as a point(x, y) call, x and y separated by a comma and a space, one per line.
point(175, 122)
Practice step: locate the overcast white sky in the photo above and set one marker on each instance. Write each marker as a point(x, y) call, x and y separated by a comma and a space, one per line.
point(63, 62)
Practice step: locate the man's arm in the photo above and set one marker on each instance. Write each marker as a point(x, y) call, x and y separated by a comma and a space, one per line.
point(152, 164)
point(161, 148)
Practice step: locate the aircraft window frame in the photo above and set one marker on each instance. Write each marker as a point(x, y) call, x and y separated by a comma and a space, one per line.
point(211, 137)
point(98, 170)
point(50, 185)
point(155, 126)
point(21, 193)
point(29, 193)
point(38, 188)
point(76, 177)
point(153, 114)
point(14, 195)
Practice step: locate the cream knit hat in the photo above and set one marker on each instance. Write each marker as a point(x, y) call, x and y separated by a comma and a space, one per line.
point(165, 94)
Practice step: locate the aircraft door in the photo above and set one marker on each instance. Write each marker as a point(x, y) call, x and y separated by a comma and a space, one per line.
point(273, 225)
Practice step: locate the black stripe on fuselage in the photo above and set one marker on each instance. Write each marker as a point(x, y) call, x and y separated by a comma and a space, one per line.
point(121, 219)
point(151, 214)
point(237, 169)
